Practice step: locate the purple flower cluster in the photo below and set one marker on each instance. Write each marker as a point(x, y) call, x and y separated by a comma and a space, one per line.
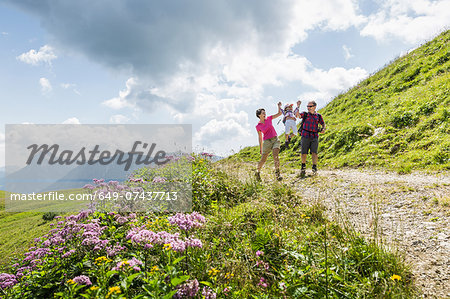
point(7, 280)
point(114, 250)
point(187, 290)
point(135, 180)
point(147, 239)
point(91, 235)
point(262, 283)
point(73, 230)
point(22, 271)
point(208, 293)
point(173, 158)
point(208, 155)
point(82, 279)
point(68, 253)
point(159, 179)
point(187, 221)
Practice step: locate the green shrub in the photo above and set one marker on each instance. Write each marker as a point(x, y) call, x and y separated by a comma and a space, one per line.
point(49, 216)
point(346, 138)
point(403, 119)
point(427, 108)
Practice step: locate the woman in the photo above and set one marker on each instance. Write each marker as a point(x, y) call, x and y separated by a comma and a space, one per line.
point(268, 141)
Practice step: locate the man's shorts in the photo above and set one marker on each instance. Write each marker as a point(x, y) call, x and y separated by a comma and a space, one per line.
point(270, 144)
point(290, 125)
point(310, 143)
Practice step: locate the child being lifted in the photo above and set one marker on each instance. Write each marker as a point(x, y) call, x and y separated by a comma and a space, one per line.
point(290, 122)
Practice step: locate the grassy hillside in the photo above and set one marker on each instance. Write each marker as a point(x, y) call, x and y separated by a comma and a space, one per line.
point(398, 118)
point(17, 231)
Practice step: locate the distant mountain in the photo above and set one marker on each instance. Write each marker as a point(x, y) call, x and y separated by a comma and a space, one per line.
point(216, 158)
point(41, 178)
point(84, 174)
point(34, 178)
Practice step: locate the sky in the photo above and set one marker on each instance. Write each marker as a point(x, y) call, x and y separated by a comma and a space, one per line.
point(206, 63)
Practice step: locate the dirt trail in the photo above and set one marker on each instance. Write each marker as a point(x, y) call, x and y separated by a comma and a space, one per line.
point(411, 214)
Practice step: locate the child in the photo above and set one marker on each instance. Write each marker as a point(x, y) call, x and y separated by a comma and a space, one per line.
point(268, 141)
point(289, 121)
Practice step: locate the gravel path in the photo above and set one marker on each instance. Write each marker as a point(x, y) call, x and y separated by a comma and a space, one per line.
point(408, 213)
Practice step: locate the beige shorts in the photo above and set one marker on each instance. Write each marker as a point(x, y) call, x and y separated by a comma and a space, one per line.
point(270, 144)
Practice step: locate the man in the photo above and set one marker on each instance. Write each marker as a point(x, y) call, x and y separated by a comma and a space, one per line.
point(310, 135)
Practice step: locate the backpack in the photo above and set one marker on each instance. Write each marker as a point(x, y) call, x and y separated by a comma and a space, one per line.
point(302, 122)
point(284, 117)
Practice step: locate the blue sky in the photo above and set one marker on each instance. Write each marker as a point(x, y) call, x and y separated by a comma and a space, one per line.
point(206, 63)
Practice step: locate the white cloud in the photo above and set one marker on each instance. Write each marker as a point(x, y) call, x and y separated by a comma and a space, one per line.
point(216, 131)
point(46, 87)
point(409, 20)
point(72, 121)
point(33, 57)
point(347, 52)
point(118, 119)
point(67, 85)
point(4, 33)
point(70, 86)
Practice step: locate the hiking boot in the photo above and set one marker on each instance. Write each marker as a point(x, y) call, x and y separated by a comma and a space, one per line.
point(258, 176)
point(302, 173)
point(286, 144)
point(278, 176)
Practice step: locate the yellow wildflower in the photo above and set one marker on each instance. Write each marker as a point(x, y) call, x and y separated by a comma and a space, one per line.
point(396, 277)
point(70, 281)
point(112, 291)
point(101, 260)
point(213, 272)
point(94, 288)
point(167, 246)
point(154, 269)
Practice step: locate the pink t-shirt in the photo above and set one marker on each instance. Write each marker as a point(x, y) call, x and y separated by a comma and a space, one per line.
point(267, 128)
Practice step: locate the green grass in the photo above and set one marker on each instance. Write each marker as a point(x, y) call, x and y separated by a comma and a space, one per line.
point(398, 118)
point(18, 229)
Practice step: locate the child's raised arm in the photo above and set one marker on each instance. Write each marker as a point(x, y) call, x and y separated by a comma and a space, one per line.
point(279, 111)
point(297, 110)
